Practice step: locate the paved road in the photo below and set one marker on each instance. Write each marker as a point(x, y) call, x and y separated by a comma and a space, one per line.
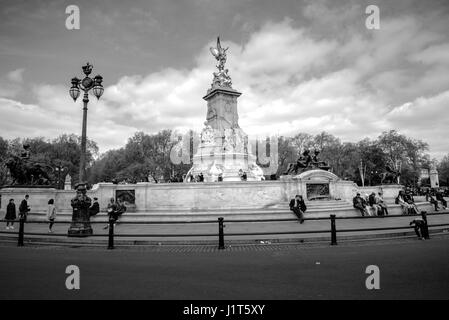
point(408, 269)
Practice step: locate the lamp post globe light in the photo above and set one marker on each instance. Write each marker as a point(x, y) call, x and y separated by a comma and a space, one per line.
point(86, 84)
point(80, 225)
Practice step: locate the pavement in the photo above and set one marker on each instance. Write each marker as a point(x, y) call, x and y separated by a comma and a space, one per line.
point(408, 269)
point(235, 232)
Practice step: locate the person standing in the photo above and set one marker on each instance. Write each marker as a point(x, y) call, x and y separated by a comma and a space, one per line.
point(24, 208)
point(51, 214)
point(10, 214)
point(298, 206)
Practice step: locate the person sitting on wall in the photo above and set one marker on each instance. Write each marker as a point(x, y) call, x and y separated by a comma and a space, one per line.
point(440, 197)
point(374, 206)
point(112, 208)
point(120, 209)
point(95, 208)
point(406, 203)
point(359, 203)
point(411, 201)
point(380, 202)
point(432, 201)
point(244, 176)
point(200, 177)
point(298, 206)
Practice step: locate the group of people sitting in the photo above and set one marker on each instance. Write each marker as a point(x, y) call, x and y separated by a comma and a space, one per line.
point(407, 203)
point(115, 210)
point(375, 205)
point(371, 205)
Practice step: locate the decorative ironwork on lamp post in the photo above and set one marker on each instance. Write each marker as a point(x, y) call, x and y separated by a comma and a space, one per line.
point(86, 84)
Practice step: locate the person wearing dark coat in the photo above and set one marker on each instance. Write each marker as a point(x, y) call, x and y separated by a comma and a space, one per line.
point(24, 208)
point(10, 214)
point(298, 206)
point(440, 197)
point(360, 204)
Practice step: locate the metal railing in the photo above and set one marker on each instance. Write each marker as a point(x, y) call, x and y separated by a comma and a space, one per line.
point(221, 234)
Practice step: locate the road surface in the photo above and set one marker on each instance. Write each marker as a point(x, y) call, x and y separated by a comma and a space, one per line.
point(409, 269)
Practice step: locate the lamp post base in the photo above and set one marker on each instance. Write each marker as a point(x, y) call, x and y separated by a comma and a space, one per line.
point(80, 230)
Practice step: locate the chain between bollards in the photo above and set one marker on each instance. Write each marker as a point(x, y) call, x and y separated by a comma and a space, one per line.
point(220, 234)
point(111, 235)
point(333, 231)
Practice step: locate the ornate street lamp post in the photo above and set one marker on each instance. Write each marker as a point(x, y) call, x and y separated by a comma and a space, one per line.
point(80, 226)
point(97, 88)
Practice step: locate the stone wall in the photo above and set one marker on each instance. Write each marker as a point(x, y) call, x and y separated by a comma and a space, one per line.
point(200, 196)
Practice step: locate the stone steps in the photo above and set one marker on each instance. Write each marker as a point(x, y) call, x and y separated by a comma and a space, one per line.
point(166, 215)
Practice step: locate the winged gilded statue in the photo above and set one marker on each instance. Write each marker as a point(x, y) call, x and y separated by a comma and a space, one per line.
point(220, 54)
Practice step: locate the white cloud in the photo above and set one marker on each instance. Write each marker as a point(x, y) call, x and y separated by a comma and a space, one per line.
point(355, 85)
point(11, 83)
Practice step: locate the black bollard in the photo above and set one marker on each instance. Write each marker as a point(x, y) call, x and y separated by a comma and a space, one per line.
point(220, 234)
point(21, 230)
point(111, 235)
point(333, 231)
point(426, 226)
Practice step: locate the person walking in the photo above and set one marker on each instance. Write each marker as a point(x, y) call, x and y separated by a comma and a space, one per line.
point(24, 208)
point(10, 214)
point(298, 206)
point(51, 214)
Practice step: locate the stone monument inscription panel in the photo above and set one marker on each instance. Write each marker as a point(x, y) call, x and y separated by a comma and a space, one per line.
point(316, 191)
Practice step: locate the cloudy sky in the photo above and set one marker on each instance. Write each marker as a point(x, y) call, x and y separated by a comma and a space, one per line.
point(302, 66)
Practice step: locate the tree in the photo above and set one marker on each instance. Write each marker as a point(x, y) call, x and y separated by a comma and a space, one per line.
point(3, 158)
point(443, 170)
point(404, 154)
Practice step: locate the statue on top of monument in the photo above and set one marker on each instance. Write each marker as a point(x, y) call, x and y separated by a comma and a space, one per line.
point(220, 54)
point(221, 78)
